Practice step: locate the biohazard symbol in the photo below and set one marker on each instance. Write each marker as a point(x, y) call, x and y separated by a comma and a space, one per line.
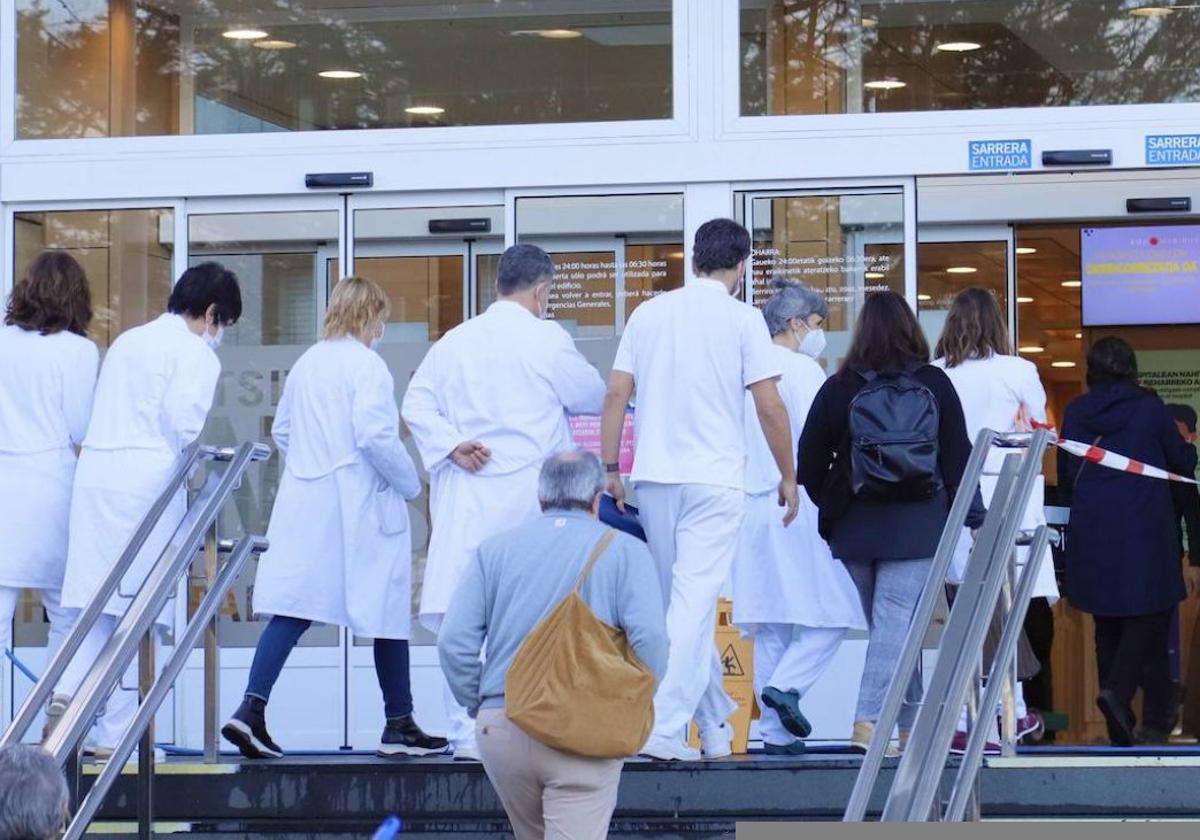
point(731, 664)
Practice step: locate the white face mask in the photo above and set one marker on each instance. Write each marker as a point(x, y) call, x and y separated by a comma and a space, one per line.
point(544, 308)
point(377, 340)
point(214, 340)
point(813, 344)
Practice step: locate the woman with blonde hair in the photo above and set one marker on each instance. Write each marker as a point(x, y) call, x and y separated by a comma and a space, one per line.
point(339, 533)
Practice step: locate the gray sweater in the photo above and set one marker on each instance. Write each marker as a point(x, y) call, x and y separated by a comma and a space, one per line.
point(517, 578)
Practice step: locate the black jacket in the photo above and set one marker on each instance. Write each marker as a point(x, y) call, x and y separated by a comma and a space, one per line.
point(868, 529)
point(1122, 546)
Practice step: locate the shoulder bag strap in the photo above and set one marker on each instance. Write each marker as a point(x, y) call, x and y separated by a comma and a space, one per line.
point(1096, 442)
point(597, 552)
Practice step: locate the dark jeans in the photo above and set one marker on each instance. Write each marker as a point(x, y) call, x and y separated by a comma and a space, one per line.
point(1131, 651)
point(281, 635)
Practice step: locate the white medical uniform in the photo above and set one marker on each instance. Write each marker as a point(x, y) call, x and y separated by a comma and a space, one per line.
point(509, 380)
point(46, 388)
point(341, 550)
point(1003, 393)
point(789, 593)
point(155, 390)
point(692, 353)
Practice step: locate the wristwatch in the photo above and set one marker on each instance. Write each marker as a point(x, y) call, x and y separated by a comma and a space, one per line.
point(612, 468)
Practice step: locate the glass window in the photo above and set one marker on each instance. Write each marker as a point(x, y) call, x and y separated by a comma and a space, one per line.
point(831, 57)
point(843, 246)
point(946, 268)
point(127, 256)
point(122, 68)
point(283, 261)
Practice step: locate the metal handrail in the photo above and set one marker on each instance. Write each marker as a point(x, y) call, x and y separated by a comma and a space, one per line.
point(868, 774)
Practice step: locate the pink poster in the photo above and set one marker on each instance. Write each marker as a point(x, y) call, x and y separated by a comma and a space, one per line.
point(586, 430)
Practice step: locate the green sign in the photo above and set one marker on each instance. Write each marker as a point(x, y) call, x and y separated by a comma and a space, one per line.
point(1174, 374)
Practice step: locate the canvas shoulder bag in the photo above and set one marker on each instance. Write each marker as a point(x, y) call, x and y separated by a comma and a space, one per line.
point(576, 684)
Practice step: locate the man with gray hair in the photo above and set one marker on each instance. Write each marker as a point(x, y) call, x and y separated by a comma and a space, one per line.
point(487, 405)
point(33, 794)
point(512, 583)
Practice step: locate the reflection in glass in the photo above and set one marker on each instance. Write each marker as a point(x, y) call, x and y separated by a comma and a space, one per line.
point(843, 246)
point(831, 57)
point(282, 261)
point(946, 268)
point(120, 68)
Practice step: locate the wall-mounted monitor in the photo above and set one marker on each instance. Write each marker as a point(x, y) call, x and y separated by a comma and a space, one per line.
point(1134, 276)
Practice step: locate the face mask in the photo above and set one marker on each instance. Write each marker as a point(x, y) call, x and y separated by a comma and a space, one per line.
point(813, 344)
point(214, 341)
point(377, 341)
point(544, 308)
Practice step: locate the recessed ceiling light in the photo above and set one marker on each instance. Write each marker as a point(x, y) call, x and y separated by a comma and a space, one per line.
point(885, 84)
point(1062, 364)
point(1032, 348)
point(563, 34)
point(1024, 300)
point(1078, 335)
point(957, 46)
point(961, 269)
point(244, 34)
point(340, 74)
point(1071, 284)
point(1025, 251)
point(1151, 11)
point(869, 22)
point(874, 275)
point(675, 255)
point(924, 297)
point(275, 44)
point(424, 110)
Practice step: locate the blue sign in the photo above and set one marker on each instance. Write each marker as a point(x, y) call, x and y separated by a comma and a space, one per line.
point(1173, 150)
point(1000, 155)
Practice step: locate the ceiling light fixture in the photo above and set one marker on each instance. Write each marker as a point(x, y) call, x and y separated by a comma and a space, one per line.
point(340, 74)
point(869, 22)
point(885, 84)
point(1024, 300)
point(562, 34)
point(961, 269)
point(425, 110)
point(1072, 284)
point(1032, 348)
point(874, 275)
point(1025, 251)
point(957, 46)
point(1078, 336)
point(1151, 11)
point(1062, 364)
point(244, 34)
point(275, 44)
point(924, 297)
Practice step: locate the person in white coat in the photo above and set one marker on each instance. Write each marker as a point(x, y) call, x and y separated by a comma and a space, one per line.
point(153, 396)
point(488, 404)
point(1002, 392)
point(47, 380)
point(340, 546)
point(692, 354)
point(789, 593)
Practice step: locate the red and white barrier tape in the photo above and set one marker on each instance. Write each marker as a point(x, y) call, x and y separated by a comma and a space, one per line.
point(1112, 460)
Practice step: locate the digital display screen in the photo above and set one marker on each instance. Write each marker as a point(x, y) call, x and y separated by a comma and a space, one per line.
point(1140, 275)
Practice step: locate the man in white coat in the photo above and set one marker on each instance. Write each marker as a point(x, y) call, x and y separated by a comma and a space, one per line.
point(692, 354)
point(155, 390)
point(488, 404)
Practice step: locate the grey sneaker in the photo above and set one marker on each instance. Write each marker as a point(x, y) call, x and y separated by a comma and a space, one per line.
point(55, 709)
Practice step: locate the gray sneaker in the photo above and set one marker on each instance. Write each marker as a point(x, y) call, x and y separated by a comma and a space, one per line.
point(55, 709)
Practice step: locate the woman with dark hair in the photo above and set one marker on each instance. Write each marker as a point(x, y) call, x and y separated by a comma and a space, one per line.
point(887, 541)
point(47, 377)
point(1002, 392)
point(1122, 558)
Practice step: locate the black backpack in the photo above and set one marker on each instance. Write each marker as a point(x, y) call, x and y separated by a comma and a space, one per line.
point(894, 422)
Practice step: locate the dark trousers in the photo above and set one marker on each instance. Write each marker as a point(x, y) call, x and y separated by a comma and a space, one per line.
point(283, 632)
point(1131, 651)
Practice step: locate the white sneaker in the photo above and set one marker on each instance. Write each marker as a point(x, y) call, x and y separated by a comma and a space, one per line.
point(465, 751)
point(669, 749)
point(717, 742)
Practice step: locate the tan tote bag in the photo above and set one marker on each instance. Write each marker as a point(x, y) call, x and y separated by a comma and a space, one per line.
point(576, 684)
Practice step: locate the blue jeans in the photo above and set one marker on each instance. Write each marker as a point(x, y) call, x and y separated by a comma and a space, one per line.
point(889, 590)
point(283, 632)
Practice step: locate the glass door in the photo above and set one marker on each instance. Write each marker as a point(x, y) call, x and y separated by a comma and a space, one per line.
point(844, 243)
point(953, 258)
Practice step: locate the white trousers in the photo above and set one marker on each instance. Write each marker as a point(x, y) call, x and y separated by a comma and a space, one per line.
point(61, 619)
point(461, 730)
point(789, 657)
point(692, 531)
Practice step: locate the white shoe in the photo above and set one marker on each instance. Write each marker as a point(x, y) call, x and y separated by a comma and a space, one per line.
point(669, 749)
point(717, 742)
point(465, 751)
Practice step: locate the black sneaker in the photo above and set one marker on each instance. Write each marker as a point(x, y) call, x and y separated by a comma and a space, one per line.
point(247, 730)
point(1118, 717)
point(402, 736)
point(786, 704)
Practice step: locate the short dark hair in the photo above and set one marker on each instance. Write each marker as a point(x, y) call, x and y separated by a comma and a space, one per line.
point(887, 336)
point(521, 267)
point(52, 296)
point(719, 246)
point(204, 285)
point(1184, 414)
point(1111, 361)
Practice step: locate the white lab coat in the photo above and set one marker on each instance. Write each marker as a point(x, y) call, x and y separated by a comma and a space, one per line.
point(1003, 393)
point(152, 399)
point(509, 380)
point(341, 549)
point(46, 388)
point(787, 575)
